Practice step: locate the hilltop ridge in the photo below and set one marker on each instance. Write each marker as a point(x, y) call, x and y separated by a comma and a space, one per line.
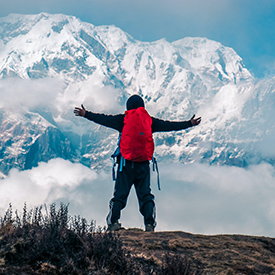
point(56, 243)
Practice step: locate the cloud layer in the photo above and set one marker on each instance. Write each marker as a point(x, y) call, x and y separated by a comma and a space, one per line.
point(20, 95)
point(197, 198)
point(57, 180)
point(213, 199)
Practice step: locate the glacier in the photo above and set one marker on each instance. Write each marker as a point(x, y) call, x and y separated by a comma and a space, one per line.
point(51, 63)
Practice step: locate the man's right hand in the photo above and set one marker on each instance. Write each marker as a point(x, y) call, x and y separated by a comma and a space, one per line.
point(80, 111)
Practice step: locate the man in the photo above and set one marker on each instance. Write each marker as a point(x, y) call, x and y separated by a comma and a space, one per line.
point(137, 173)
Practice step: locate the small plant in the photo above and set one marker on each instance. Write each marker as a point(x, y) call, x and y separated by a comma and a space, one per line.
point(55, 243)
point(50, 241)
point(175, 264)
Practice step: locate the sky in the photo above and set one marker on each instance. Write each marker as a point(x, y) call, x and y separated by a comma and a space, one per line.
point(248, 26)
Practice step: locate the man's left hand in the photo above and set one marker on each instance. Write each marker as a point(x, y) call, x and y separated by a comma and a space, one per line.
point(195, 121)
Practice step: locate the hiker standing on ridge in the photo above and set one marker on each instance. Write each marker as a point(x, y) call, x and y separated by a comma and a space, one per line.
point(133, 163)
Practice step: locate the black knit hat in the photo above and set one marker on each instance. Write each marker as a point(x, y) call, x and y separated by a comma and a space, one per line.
point(134, 102)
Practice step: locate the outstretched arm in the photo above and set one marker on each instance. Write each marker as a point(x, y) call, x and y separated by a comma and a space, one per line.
point(159, 125)
point(111, 121)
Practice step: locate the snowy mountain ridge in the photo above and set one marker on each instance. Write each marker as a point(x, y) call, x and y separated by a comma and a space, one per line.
point(51, 63)
point(29, 39)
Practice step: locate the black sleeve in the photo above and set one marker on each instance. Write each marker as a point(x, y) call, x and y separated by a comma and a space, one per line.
point(111, 121)
point(159, 125)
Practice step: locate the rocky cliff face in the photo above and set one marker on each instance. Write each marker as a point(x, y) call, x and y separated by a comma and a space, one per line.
point(27, 139)
point(67, 62)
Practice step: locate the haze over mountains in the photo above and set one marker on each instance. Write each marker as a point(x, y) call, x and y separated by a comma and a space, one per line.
point(51, 63)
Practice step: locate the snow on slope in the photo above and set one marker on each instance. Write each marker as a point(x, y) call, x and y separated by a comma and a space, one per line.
point(101, 66)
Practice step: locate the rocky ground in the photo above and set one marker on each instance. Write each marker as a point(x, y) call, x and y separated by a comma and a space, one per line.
point(219, 254)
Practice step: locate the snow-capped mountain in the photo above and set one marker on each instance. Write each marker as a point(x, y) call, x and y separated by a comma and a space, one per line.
point(51, 63)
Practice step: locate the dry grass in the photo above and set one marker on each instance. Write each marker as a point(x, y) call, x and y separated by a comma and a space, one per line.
point(50, 241)
point(220, 254)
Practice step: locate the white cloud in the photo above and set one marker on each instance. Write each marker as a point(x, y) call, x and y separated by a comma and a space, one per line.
point(212, 199)
point(19, 95)
point(197, 197)
point(25, 94)
point(98, 99)
point(56, 180)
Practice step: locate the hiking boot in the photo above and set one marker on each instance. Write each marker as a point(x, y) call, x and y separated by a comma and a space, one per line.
point(114, 226)
point(149, 228)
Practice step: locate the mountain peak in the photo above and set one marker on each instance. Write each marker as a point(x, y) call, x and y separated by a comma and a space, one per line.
point(60, 36)
point(201, 52)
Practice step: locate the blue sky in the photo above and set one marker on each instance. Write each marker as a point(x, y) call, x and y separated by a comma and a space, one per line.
point(248, 26)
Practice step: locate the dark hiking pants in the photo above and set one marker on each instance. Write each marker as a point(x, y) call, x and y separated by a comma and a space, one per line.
point(137, 174)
